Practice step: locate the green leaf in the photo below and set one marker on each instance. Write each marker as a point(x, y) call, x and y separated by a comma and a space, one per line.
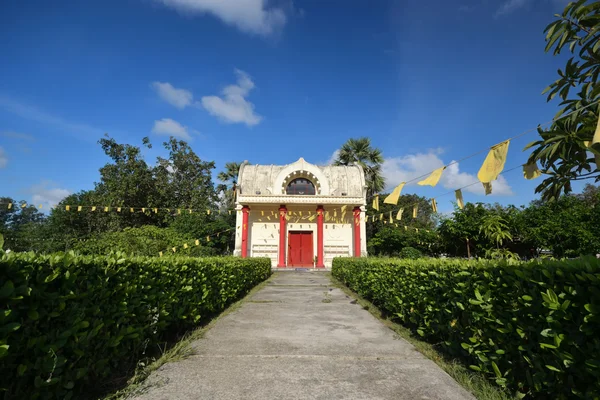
point(496, 370)
point(552, 368)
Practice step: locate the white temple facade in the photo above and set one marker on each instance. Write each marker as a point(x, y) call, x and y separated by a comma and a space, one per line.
point(300, 214)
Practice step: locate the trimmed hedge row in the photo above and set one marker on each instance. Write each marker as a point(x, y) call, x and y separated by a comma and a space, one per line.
point(533, 327)
point(67, 321)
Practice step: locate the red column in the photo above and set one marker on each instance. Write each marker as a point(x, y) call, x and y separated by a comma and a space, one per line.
point(282, 233)
point(245, 212)
point(320, 250)
point(356, 231)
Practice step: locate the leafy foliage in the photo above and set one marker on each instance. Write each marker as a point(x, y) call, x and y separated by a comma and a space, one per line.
point(359, 151)
point(68, 321)
point(531, 327)
point(564, 150)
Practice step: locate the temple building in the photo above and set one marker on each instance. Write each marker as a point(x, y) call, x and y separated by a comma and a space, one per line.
point(300, 214)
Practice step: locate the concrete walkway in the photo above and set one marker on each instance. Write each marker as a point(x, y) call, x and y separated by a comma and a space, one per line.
point(300, 338)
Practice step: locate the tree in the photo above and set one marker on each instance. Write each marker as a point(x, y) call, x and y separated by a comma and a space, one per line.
point(20, 225)
point(228, 185)
point(495, 229)
point(359, 151)
point(565, 151)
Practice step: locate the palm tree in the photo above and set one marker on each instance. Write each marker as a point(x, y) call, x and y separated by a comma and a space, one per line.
point(359, 151)
point(229, 186)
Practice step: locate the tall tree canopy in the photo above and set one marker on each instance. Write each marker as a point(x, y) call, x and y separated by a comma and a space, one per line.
point(359, 151)
point(565, 151)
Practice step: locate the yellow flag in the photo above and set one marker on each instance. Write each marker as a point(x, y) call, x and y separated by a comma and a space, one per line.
point(156, 211)
point(405, 227)
point(79, 208)
point(399, 215)
point(190, 210)
point(488, 187)
point(160, 253)
point(494, 163)
point(105, 209)
point(596, 140)
point(131, 210)
point(208, 238)
point(40, 206)
point(179, 211)
point(531, 171)
point(118, 209)
point(376, 202)
point(395, 195)
point(197, 242)
point(67, 208)
point(381, 217)
point(434, 205)
point(143, 209)
point(93, 208)
point(432, 179)
point(391, 218)
point(185, 246)
point(9, 206)
point(459, 199)
point(207, 212)
point(23, 205)
point(417, 230)
point(229, 212)
point(415, 211)
point(174, 249)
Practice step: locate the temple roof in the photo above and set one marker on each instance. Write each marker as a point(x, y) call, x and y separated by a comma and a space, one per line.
point(272, 180)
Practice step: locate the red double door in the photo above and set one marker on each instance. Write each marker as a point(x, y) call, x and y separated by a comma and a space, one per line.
point(300, 249)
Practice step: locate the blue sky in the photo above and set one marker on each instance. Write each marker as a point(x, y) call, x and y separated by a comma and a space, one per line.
point(269, 82)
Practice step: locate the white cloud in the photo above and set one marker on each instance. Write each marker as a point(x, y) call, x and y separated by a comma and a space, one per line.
point(250, 16)
point(47, 194)
point(35, 114)
point(3, 158)
point(233, 107)
point(169, 127)
point(509, 6)
point(409, 167)
point(332, 158)
point(179, 98)
point(17, 136)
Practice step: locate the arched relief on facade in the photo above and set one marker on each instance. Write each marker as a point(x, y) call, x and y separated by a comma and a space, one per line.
point(302, 169)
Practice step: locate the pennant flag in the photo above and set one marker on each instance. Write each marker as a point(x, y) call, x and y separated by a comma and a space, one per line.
point(531, 171)
point(156, 211)
point(494, 163)
point(118, 209)
point(487, 186)
point(229, 212)
point(105, 209)
point(432, 179)
point(395, 195)
point(40, 206)
point(459, 199)
point(197, 242)
point(178, 211)
point(185, 246)
point(417, 230)
point(434, 205)
point(131, 210)
point(160, 253)
point(9, 206)
point(79, 208)
point(405, 227)
point(207, 212)
point(381, 217)
point(143, 210)
point(93, 208)
point(415, 211)
point(596, 141)
point(208, 238)
point(67, 208)
point(174, 249)
point(376, 202)
point(399, 215)
point(391, 219)
point(23, 205)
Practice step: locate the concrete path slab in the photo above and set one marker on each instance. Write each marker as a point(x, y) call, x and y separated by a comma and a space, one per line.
point(301, 338)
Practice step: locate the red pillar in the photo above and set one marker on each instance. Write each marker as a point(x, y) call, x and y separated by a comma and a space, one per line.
point(245, 212)
point(282, 233)
point(320, 250)
point(356, 231)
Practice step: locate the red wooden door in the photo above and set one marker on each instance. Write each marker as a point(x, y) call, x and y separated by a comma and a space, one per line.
point(300, 249)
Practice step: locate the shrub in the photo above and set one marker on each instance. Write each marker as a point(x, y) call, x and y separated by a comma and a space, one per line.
point(144, 241)
point(410, 252)
point(532, 327)
point(68, 321)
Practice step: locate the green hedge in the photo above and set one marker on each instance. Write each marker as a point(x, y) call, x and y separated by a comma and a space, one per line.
point(67, 321)
point(533, 327)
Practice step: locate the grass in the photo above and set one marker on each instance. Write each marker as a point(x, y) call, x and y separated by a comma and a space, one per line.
point(477, 384)
point(177, 352)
